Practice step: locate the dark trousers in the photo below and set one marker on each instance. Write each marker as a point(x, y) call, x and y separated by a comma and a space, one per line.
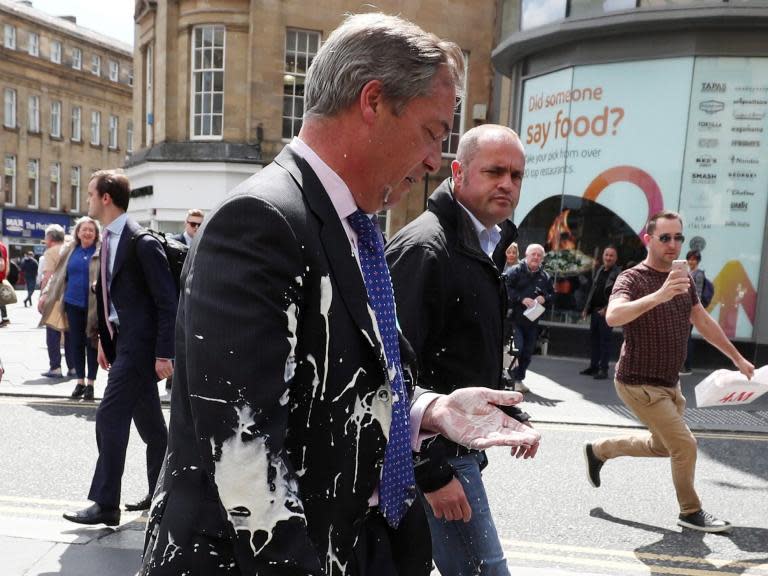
point(53, 343)
point(384, 551)
point(80, 346)
point(3, 312)
point(30, 290)
point(129, 394)
point(526, 334)
point(600, 335)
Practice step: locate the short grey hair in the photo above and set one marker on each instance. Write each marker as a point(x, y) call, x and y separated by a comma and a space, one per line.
point(55, 232)
point(534, 247)
point(377, 46)
point(469, 143)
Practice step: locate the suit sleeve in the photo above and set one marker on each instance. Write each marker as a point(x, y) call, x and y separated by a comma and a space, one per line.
point(242, 301)
point(162, 288)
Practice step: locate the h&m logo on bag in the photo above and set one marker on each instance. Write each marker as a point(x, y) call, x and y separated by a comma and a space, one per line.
point(736, 397)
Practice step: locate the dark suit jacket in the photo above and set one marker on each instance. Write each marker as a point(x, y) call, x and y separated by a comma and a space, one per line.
point(280, 396)
point(180, 238)
point(144, 296)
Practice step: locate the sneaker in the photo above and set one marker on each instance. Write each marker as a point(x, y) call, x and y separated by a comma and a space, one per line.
point(591, 371)
point(685, 372)
point(703, 522)
point(601, 375)
point(520, 387)
point(594, 465)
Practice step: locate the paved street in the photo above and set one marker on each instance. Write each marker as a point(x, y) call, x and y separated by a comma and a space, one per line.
point(550, 520)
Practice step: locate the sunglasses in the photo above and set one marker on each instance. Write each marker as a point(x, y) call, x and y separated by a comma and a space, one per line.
point(194, 224)
point(667, 238)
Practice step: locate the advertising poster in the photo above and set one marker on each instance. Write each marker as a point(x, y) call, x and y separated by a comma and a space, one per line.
point(724, 191)
point(604, 152)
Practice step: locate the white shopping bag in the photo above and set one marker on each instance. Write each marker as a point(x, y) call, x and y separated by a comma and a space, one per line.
point(731, 387)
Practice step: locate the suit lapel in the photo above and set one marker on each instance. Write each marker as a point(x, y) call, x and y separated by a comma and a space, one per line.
point(123, 247)
point(335, 242)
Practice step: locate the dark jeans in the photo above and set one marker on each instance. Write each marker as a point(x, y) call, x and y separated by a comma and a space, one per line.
point(3, 312)
point(79, 344)
point(600, 335)
point(30, 290)
point(525, 340)
point(53, 342)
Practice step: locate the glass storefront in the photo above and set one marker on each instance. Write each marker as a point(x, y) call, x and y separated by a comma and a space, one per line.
point(608, 145)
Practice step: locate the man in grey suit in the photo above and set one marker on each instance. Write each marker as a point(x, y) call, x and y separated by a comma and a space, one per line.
point(288, 391)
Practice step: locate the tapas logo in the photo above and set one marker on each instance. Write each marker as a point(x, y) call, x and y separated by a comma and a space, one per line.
point(739, 192)
point(716, 87)
point(703, 178)
point(708, 142)
point(738, 160)
point(706, 160)
point(741, 206)
point(746, 143)
point(741, 175)
point(706, 126)
point(711, 106)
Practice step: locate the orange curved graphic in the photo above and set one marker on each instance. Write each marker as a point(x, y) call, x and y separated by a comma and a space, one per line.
point(732, 290)
point(636, 176)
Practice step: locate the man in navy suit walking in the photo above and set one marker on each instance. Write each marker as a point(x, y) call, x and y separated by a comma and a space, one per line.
point(137, 309)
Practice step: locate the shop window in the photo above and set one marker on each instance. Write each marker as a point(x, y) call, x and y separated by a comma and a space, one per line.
point(301, 46)
point(207, 82)
point(542, 12)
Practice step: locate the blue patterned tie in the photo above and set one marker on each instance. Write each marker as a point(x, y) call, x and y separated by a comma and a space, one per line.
point(398, 485)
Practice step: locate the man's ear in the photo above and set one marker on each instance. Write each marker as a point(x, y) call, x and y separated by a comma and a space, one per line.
point(457, 172)
point(371, 100)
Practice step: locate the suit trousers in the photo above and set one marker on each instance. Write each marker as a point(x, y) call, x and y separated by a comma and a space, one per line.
point(130, 394)
point(600, 335)
point(661, 410)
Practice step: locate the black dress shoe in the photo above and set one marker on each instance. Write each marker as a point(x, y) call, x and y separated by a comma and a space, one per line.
point(588, 371)
point(95, 514)
point(88, 394)
point(78, 391)
point(602, 375)
point(142, 504)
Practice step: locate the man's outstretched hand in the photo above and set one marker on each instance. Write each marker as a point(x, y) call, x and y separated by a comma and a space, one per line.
point(471, 417)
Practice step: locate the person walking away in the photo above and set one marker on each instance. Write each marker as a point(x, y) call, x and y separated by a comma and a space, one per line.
point(5, 266)
point(29, 268)
point(699, 282)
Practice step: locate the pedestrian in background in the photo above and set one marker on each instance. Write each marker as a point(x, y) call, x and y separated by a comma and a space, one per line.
point(699, 282)
point(54, 241)
point(527, 284)
point(512, 254)
point(192, 224)
point(600, 333)
point(656, 305)
point(450, 305)
point(136, 306)
point(5, 266)
point(29, 267)
point(69, 290)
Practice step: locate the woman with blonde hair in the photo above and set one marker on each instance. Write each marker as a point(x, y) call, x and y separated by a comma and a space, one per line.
point(70, 291)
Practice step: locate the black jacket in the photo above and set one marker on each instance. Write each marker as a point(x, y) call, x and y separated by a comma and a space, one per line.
point(610, 280)
point(521, 284)
point(450, 305)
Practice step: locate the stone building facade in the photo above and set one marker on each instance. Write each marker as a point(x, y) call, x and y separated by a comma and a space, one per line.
point(219, 90)
point(66, 94)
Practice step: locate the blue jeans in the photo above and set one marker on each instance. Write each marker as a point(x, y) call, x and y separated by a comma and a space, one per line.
point(79, 344)
point(526, 335)
point(53, 342)
point(600, 334)
point(468, 548)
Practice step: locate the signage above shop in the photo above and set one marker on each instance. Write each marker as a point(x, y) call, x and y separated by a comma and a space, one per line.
point(27, 224)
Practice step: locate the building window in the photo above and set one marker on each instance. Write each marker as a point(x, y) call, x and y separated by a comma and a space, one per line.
point(113, 124)
point(33, 179)
point(451, 143)
point(10, 108)
point(74, 189)
point(33, 44)
point(300, 49)
point(76, 123)
point(9, 180)
point(33, 114)
point(207, 82)
point(95, 128)
point(129, 136)
point(56, 52)
point(149, 117)
point(56, 119)
point(77, 59)
point(130, 77)
point(9, 37)
point(55, 197)
point(114, 70)
point(96, 65)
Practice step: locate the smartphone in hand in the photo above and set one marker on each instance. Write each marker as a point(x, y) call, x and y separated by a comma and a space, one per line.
point(680, 266)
